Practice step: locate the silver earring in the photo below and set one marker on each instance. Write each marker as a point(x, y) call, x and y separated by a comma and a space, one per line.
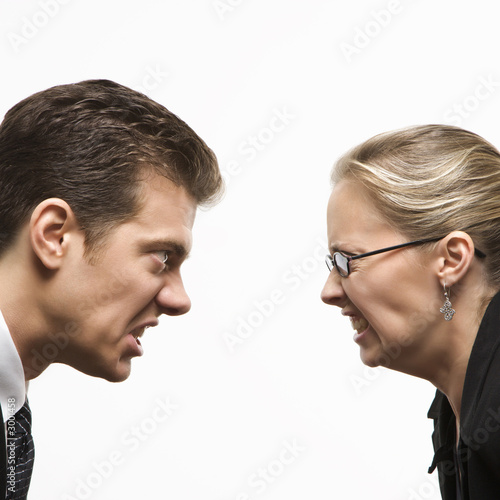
point(447, 310)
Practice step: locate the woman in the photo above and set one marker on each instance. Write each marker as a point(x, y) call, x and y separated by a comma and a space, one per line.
point(414, 236)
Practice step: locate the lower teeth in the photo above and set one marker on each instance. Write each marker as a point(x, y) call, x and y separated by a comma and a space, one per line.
point(363, 325)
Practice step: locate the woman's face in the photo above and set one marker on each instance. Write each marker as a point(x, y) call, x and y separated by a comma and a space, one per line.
point(392, 298)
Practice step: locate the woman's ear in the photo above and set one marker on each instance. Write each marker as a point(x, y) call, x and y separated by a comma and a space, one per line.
point(50, 225)
point(456, 253)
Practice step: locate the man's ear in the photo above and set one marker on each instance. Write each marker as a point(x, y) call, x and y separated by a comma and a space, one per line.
point(456, 253)
point(50, 225)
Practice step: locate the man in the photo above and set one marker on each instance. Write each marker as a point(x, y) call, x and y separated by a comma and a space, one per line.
point(98, 193)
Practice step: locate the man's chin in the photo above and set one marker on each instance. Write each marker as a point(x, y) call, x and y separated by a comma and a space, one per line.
point(119, 373)
point(116, 377)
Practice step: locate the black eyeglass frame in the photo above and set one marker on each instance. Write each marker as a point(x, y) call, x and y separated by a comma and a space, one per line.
point(331, 262)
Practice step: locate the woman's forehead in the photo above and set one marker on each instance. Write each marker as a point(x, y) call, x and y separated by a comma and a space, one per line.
point(353, 217)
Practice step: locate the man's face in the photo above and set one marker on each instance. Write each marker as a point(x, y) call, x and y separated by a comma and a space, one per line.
point(114, 299)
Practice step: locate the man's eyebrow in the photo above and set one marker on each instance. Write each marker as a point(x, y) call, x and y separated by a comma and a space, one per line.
point(167, 244)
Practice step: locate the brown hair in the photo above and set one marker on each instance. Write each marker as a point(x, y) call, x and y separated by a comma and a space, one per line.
point(431, 180)
point(88, 143)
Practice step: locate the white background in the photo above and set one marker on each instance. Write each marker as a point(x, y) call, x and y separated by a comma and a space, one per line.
point(341, 72)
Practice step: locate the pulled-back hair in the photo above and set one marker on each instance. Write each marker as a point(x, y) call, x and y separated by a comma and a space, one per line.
point(90, 144)
point(430, 180)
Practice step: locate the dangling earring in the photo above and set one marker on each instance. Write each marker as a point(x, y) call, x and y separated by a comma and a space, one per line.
point(447, 310)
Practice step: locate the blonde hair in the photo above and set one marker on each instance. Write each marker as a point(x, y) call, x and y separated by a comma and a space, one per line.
point(431, 180)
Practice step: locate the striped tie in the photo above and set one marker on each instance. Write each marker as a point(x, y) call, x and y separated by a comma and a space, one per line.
point(20, 444)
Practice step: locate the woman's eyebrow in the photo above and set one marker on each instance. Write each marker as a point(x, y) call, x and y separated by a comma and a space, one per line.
point(338, 247)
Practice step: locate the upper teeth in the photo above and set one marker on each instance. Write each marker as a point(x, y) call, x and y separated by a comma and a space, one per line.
point(137, 333)
point(359, 324)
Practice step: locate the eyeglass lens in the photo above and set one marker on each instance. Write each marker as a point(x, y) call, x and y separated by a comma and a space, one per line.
point(329, 263)
point(342, 264)
point(338, 261)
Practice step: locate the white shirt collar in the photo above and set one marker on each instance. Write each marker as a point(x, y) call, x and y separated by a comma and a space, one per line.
point(12, 383)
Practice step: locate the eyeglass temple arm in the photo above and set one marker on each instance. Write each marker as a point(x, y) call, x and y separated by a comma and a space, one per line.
point(417, 242)
point(395, 247)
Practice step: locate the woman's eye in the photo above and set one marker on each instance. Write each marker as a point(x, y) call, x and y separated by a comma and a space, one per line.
point(162, 256)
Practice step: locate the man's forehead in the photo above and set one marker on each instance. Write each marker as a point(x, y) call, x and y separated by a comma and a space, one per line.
point(169, 206)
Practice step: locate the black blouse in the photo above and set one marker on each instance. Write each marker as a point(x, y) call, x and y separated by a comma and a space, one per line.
point(478, 452)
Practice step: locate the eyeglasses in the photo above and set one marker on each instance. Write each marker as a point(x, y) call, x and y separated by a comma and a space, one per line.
point(342, 262)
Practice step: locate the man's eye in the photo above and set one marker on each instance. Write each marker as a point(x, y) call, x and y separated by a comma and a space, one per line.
point(162, 256)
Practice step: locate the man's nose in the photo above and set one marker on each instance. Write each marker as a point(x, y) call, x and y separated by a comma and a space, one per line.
point(172, 299)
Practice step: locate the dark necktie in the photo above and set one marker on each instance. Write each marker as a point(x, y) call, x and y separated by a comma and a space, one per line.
point(19, 445)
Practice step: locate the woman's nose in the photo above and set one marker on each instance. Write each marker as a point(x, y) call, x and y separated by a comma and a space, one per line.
point(333, 293)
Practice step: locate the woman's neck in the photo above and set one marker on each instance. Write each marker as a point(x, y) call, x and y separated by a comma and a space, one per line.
point(458, 340)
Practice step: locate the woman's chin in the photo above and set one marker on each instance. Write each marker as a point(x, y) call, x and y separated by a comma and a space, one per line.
point(375, 356)
point(369, 358)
